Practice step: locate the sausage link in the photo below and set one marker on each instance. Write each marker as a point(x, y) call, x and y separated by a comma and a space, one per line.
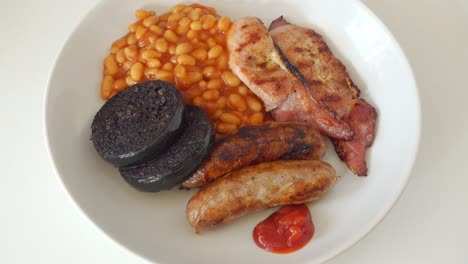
point(259, 187)
point(256, 144)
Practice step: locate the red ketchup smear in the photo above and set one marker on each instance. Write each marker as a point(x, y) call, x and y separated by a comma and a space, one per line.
point(285, 231)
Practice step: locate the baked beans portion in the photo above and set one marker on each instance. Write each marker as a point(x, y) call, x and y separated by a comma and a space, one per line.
point(185, 47)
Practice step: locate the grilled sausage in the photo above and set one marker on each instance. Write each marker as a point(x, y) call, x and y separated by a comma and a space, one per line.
point(256, 144)
point(259, 187)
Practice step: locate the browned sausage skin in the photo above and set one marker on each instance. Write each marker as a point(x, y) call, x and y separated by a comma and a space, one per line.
point(256, 144)
point(259, 187)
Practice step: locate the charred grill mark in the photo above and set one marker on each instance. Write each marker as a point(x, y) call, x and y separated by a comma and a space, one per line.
point(251, 40)
point(298, 50)
point(316, 83)
point(226, 156)
point(277, 86)
point(331, 98)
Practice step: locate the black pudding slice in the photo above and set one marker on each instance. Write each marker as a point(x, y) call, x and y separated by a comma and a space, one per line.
point(181, 159)
point(138, 123)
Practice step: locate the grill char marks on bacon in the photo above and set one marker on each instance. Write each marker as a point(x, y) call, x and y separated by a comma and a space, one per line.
point(309, 58)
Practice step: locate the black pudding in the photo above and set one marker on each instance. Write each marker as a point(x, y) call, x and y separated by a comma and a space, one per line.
point(138, 123)
point(181, 159)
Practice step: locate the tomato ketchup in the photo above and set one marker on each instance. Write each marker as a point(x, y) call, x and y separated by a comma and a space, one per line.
point(285, 231)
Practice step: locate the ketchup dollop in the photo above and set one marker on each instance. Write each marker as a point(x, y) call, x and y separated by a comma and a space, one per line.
point(285, 231)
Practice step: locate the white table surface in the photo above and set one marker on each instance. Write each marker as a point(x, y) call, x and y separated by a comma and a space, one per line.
point(429, 224)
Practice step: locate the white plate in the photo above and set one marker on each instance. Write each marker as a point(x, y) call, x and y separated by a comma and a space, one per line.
point(153, 225)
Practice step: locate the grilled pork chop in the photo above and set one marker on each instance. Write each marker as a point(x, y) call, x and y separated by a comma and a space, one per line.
point(254, 59)
point(310, 59)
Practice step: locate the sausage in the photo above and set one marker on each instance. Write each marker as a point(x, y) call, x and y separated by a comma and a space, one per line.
point(259, 187)
point(256, 144)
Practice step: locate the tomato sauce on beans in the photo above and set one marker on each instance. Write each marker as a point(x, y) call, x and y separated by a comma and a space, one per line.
point(185, 47)
point(287, 230)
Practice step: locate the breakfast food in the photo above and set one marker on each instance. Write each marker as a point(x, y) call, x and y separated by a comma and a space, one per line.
point(309, 57)
point(185, 47)
point(180, 160)
point(178, 80)
point(259, 187)
point(256, 144)
point(252, 56)
point(138, 123)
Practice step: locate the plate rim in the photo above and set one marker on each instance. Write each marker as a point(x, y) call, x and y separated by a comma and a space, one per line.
point(346, 245)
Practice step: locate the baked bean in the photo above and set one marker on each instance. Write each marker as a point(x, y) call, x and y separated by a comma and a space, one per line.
point(129, 80)
point(131, 52)
point(194, 77)
point(230, 79)
point(243, 90)
point(191, 93)
point(222, 61)
point(185, 22)
point(140, 31)
point(192, 35)
point(196, 25)
point(221, 102)
point(209, 21)
point(127, 65)
point(175, 17)
point(177, 8)
point(237, 102)
point(132, 28)
point(167, 67)
point(202, 83)
point(173, 59)
point(215, 51)
point(120, 56)
point(186, 59)
point(136, 72)
point(255, 119)
point(161, 45)
point(149, 54)
point(142, 14)
point(224, 23)
point(179, 71)
point(224, 128)
point(131, 39)
point(208, 71)
point(200, 54)
point(230, 118)
point(151, 20)
point(198, 101)
point(186, 47)
point(214, 84)
point(150, 73)
point(254, 104)
point(156, 30)
point(154, 63)
point(106, 86)
point(181, 30)
point(165, 76)
point(211, 95)
point(195, 14)
point(187, 10)
point(110, 65)
point(117, 45)
point(120, 84)
point(170, 36)
point(183, 48)
point(172, 48)
point(211, 42)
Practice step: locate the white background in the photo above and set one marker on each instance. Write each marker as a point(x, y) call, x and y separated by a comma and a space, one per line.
point(429, 224)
